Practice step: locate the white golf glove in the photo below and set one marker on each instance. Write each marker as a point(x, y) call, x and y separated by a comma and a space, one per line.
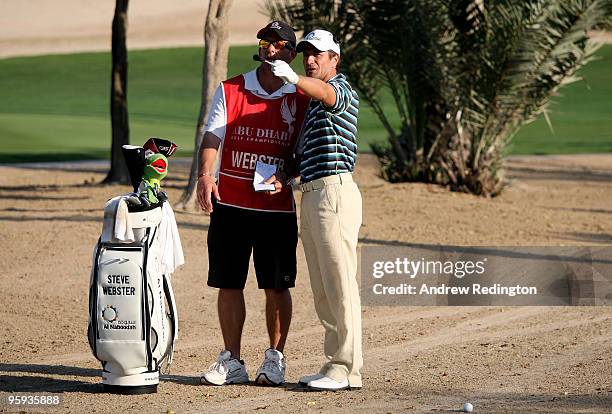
point(282, 69)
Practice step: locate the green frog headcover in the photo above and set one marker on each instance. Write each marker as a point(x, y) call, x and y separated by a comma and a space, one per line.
point(155, 169)
point(148, 165)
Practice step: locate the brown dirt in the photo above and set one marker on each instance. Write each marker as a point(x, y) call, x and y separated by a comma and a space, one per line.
point(38, 27)
point(417, 359)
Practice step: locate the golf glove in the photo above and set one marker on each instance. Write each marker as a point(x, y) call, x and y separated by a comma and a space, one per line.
point(282, 69)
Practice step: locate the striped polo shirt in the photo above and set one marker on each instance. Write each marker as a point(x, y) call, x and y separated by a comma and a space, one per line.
point(329, 134)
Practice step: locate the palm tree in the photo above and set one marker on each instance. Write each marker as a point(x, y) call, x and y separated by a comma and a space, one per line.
point(214, 70)
point(464, 75)
point(119, 112)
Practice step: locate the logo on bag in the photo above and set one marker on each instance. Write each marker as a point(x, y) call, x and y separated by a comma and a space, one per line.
point(109, 313)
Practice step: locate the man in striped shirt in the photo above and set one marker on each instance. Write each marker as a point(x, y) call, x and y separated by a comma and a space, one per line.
point(331, 207)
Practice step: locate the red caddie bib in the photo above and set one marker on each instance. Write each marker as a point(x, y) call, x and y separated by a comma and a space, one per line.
point(257, 129)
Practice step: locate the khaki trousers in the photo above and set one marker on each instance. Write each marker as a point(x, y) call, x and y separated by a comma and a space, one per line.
point(330, 221)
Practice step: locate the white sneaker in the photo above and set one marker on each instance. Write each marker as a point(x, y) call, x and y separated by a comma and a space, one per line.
point(226, 370)
point(307, 378)
point(328, 384)
point(272, 370)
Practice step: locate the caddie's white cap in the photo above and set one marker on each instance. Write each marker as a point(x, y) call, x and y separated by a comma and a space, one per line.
point(321, 39)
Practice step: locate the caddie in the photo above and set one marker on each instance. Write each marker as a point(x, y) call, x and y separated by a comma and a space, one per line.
point(254, 117)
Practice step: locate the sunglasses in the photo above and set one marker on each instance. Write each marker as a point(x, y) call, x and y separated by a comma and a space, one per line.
point(278, 44)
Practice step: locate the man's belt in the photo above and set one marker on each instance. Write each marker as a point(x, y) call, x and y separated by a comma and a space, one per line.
point(320, 183)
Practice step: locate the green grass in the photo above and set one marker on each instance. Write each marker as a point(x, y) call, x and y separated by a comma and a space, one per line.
point(57, 107)
point(581, 116)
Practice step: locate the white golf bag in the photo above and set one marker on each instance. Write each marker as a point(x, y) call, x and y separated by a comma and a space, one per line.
point(133, 322)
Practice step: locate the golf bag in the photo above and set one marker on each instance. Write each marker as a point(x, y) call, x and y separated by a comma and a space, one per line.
point(133, 322)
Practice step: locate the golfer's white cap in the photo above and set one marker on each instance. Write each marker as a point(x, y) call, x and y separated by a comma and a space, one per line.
point(321, 39)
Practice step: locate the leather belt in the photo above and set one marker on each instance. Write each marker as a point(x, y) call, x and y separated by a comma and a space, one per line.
point(319, 183)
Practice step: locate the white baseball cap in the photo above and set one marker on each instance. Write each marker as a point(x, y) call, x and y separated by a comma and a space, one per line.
point(321, 39)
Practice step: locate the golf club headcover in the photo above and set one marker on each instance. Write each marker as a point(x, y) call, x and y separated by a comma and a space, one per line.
point(160, 146)
point(135, 160)
point(154, 170)
point(147, 166)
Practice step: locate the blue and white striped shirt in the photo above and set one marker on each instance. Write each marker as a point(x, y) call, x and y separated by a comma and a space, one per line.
point(329, 134)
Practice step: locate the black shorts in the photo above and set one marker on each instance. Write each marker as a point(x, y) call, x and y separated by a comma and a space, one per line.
point(235, 232)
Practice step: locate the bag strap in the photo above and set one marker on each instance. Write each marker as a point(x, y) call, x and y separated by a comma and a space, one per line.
point(173, 315)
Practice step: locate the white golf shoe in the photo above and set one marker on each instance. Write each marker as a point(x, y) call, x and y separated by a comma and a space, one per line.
point(307, 378)
point(328, 384)
point(226, 370)
point(272, 370)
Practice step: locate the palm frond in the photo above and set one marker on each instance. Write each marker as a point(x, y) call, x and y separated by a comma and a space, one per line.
point(464, 74)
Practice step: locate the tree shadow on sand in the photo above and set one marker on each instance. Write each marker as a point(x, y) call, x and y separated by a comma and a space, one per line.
point(72, 218)
point(45, 382)
point(39, 197)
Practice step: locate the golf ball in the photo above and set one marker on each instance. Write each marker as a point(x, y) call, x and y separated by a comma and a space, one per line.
point(468, 408)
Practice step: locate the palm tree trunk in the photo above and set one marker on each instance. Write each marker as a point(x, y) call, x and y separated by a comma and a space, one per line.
point(216, 34)
point(118, 173)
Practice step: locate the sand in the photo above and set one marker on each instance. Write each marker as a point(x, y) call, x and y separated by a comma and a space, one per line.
point(417, 359)
point(34, 27)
